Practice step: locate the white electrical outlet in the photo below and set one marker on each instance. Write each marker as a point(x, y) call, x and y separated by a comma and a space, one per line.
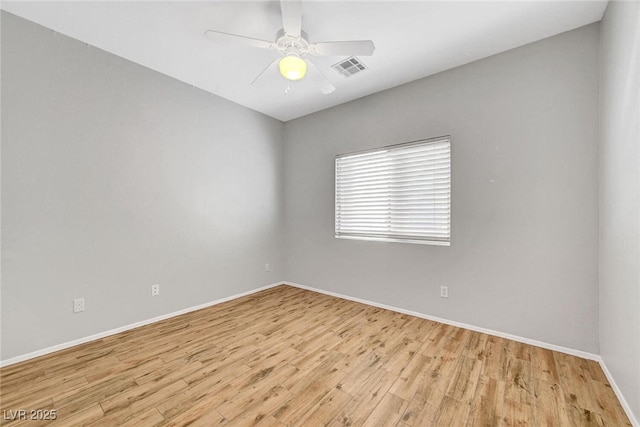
point(267, 267)
point(78, 305)
point(444, 291)
point(155, 290)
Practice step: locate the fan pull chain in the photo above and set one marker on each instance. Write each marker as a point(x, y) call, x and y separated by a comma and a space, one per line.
point(286, 91)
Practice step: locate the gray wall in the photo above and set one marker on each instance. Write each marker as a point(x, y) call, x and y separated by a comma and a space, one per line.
point(115, 177)
point(523, 257)
point(620, 197)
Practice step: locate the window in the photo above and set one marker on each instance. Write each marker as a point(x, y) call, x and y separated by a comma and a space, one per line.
point(400, 193)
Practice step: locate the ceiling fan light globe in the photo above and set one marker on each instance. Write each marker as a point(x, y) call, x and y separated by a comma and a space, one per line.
point(292, 67)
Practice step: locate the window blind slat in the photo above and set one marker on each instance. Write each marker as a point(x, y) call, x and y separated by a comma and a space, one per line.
point(390, 173)
point(440, 157)
point(421, 182)
point(385, 154)
point(373, 192)
point(393, 169)
point(384, 201)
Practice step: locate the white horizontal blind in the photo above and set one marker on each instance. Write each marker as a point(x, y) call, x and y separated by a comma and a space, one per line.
point(397, 193)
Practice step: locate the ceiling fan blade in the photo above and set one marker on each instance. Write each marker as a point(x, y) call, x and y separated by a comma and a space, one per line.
point(356, 47)
point(262, 78)
point(247, 41)
point(291, 16)
point(318, 78)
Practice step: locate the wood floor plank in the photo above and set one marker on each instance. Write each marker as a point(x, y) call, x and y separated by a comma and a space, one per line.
point(400, 356)
point(292, 357)
point(495, 358)
point(326, 409)
point(140, 398)
point(42, 389)
point(388, 412)
point(544, 365)
point(549, 404)
point(149, 418)
point(409, 381)
point(366, 399)
point(191, 397)
point(255, 388)
point(255, 411)
point(517, 413)
point(199, 411)
point(368, 366)
point(87, 416)
point(68, 402)
point(476, 346)
point(270, 422)
point(114, 366)
point(487, 404)
point(451, 412)
point(166, 372)
point(218, 371)
point(425, 402)
point(464, 379)
point(306, 394)
point(519, 382)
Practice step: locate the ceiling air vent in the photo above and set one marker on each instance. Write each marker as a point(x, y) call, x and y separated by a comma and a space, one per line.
point(349, 66)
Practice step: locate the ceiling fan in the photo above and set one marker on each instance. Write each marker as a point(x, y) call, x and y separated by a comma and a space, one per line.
point(293, 45)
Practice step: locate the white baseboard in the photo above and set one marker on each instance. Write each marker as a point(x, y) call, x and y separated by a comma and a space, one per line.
point(97, 336)
point(571, 351)
point(619, 395)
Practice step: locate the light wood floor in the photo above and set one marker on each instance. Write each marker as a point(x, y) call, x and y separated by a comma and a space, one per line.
point(287, 356)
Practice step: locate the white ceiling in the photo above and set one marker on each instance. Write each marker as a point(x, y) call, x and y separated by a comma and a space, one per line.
point(413, 39)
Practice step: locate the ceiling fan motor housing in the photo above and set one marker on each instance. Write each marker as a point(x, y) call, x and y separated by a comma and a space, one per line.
point(290, 45)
